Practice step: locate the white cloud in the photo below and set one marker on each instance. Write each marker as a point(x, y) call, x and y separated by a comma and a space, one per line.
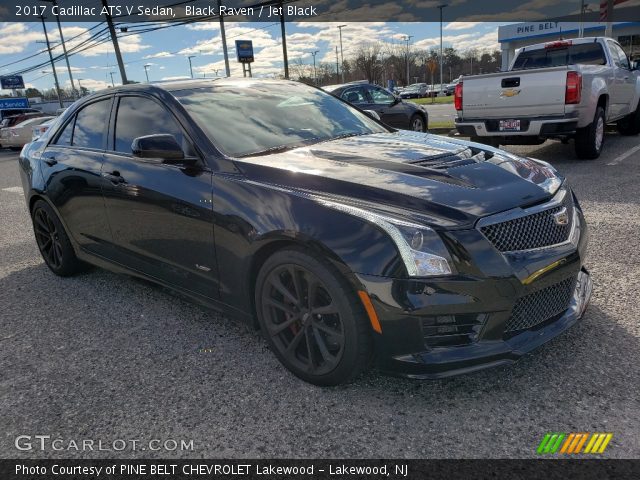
point(159, 55)
point(16, 37)
point(460, 25)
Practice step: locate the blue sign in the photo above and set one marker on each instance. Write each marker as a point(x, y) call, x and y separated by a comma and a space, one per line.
point(11, 82)
point(244, 51)
point(14, 103)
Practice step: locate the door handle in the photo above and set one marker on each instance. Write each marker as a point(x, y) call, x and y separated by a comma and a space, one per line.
point(114, 177)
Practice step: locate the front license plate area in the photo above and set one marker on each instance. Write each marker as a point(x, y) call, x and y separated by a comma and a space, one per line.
point(509, 125)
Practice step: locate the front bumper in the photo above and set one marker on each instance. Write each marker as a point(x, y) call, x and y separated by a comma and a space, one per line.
point(445, 326)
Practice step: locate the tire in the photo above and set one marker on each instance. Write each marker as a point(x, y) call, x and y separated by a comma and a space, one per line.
point(326, 348)
point(53, 241)
point(418, 123)
point(630, 125)
point(590, 139)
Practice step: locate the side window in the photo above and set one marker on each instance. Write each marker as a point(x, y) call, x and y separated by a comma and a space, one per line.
point(138, 116)
point(624, 61)
point(65, 137)
point(380, 96)
point(356, 96)
point(90, 125)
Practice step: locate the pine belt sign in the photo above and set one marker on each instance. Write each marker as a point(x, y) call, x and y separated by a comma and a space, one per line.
point(244, 51)
point(11, 82)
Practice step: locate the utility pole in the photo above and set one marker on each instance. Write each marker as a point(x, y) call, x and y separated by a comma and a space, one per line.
point(407, 38)
point(581, 29)
point(608, 32)
point(64, 47)
point(116, 47)
point(53, 67)
point(191, 66)
point(80, 87)
point(315, 74)
point(284, 43)
point(224, 42)
point(340, 27)
point(146, 65)
point(113, 84)
point(441, 7)
point(337, 71)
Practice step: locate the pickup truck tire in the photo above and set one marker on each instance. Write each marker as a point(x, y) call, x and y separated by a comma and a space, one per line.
point(589, 140)
point(630, 125)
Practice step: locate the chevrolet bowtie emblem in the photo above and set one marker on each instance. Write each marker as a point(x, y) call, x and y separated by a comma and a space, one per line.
point(512, 92)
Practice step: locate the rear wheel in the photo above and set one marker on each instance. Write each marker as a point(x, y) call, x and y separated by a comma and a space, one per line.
point(53, 242)
point(311, 318)
point(630, 125)
point(590, 139)
point(417, 123)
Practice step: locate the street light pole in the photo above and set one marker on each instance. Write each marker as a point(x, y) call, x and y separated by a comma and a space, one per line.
point(441, 7)
point(190, 66)
point(146, 73)
point(79, 87)
point(407, 38)
point(53, 67)
point(113, 84)
point(340, 27)
point(315, 75)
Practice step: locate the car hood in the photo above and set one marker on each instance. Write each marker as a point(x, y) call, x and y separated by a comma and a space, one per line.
point(451, 182)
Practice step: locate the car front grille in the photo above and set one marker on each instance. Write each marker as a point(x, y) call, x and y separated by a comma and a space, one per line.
point(537, 307)
point(536, 230)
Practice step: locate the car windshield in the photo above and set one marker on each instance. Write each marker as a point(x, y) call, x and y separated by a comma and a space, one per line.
point(258, 118)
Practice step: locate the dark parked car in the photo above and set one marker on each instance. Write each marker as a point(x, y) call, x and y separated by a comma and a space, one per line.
point(416, 90)
point(345, 241)
point(392, 109)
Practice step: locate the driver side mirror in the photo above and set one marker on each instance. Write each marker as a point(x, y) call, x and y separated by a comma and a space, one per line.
point(161, 146)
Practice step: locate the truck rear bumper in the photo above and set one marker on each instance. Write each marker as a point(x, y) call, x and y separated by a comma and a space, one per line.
point(530, 127)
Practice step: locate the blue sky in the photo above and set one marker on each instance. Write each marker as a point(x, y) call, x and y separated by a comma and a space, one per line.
point(167, 50)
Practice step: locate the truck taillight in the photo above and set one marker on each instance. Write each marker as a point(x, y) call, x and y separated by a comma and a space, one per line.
point(558, 44)
point(457, 96)
point(573, 92)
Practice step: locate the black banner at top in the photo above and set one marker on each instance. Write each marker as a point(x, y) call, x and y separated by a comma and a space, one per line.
point(133, 11)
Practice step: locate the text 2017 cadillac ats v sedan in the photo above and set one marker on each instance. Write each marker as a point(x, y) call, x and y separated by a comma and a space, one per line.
point(346, 242)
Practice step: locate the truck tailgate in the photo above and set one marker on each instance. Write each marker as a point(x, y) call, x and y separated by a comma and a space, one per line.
point(515, 94)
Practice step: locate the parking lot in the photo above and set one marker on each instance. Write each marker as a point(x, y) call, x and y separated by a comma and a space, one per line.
point(102, 356)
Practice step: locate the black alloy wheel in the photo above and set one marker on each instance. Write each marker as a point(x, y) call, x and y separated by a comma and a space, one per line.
point(48, 238)
point(53, 242)
point(317, 329)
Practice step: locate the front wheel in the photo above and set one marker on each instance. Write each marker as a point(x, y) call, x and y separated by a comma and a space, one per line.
point(417, 123)
point(630, 125)
point(590, 139)
point(311, 318)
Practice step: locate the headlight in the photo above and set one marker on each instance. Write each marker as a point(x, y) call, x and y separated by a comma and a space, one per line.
point(420, 247)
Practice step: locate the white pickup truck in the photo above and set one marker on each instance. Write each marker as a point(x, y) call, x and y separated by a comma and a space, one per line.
point(563, 89)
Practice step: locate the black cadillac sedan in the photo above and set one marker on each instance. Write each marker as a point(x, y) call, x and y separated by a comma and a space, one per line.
point(346, 242)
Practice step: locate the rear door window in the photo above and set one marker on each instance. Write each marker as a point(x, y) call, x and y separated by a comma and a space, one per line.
point(90, 125)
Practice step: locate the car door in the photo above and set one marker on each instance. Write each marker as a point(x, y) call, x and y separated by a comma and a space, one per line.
point(72, 163)
point(392, 111)
point(160, 214)
point(625, 79)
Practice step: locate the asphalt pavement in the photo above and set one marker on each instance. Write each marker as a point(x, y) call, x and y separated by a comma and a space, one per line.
point(105, 357)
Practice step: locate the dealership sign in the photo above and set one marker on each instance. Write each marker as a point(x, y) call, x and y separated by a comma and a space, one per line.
point(14, 103)
point(244, 51)
point(11, 82)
